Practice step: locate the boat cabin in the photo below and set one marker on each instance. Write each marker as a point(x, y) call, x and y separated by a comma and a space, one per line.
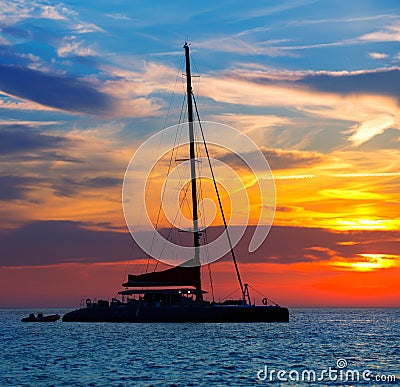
point(161, 297)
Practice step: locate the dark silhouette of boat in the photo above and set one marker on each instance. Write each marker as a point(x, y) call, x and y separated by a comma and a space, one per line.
point(175, 294)
point(41, 318)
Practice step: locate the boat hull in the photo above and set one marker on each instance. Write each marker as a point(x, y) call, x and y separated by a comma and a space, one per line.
point(51, 318)
point(208, 313)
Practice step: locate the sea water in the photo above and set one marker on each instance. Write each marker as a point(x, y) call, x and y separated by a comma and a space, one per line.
point(318, 347)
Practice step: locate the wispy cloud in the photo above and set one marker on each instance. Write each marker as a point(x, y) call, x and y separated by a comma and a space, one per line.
point(377, 55)
point(60, 92)
point(15, 187)
point(71, 46)
point(388, 34)
point(368, 98)
point(51, 12)
point(371, 128)
point(252, 41)
point(237, 45)
point(85, 28)
point(10, 102)
point(19, 141)
point(271, 9)
point(280, 159)
point(83, 170)
point(386, 17)
point(17, 122)
point(366, 175)
point(118, 16)
point(50, 242)
point(18, 10)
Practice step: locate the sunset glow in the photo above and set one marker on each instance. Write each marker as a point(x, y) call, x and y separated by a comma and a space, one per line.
point(314, 87)
point(368, 262)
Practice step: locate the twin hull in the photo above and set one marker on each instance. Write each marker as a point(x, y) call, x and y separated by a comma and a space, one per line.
point(199, 313)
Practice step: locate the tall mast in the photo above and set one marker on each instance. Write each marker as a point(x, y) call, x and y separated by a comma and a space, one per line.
point(196, 234)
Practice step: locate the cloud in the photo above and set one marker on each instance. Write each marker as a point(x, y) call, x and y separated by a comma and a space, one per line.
point(286, 244)
point(52, 242)
point(133, 89)
point(239, 46)
point(18, 138)
point(102, 181)
point(75, 187)
point(369, 129)
point(270, 9)
point(82, 171)
point(71, 46)
point(279, 159)
point(380, 81)
point(345, 20)
point(118, 16)
point(149, 78)
point(249, 123)
point(350, 194)
point(365, 97)
point(388, 34)
point(247, 42)
point(60, 92)
point(84, 28)
point(377, 174)
point(51, 12)
point(14, 12)
point(15, 187)
point(377, 55)
point(287, 159)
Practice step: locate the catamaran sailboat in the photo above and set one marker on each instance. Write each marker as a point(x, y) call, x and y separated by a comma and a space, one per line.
point(176, 294)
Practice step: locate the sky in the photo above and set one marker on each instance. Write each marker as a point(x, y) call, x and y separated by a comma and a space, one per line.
point(313, 83)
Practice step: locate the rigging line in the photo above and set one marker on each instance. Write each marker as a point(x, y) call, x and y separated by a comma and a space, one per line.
point(230, 294)
point(261, 294)
point(176, 144)
point(165, 122)
point(176, 140)
point(211, 282)
point(170, 230)
point(179, 130)
point(163, 193)
point(179, 139)
point(197, 71)
point(164, 186)
point(173, 90)
point(205, 240)
point(220, 203)
point(162, 197)
point(183, 110)
point(204, 228)
point(205, 236)
point(209, 265)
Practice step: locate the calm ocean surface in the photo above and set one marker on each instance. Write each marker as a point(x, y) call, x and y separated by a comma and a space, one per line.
point(107, 354)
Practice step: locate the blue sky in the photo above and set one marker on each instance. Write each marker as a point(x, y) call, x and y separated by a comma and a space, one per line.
point(78, 47)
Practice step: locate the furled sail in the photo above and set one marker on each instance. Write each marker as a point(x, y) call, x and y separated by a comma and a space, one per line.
point(183, 275)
